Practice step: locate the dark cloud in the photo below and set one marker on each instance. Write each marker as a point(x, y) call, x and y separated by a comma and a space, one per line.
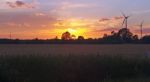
point(104, 19)
point(109, 19)
point(106, 30)
point(20, 4)
point(118, 17)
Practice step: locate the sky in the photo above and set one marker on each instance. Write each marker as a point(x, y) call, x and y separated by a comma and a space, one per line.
point(46, 19)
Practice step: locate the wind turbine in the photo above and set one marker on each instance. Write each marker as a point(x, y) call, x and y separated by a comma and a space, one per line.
point(10, 35)
point(141, 28)
point(125, 21)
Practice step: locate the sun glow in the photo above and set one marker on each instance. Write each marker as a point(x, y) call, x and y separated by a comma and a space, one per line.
point(71, 30)
point(74, 26)
point(70, 23)
point(74, 31)
point(77, 32)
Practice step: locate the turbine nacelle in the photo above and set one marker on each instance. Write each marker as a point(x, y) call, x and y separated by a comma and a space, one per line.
point(125, 21)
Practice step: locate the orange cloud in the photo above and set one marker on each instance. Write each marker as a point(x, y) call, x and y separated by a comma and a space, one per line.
point(118, 17)
point(93, 27)
point(40, 14)
point(113, 22)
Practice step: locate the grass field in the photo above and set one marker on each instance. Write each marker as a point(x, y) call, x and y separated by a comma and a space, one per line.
point(46, 49)
point(72, 68)
point(101, 63)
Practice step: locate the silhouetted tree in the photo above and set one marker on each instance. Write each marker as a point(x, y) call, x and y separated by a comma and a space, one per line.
point(135, 37)
point(105, 36)
point(73, 37)
point(36, 39)
point(90, 39)
point(80, 38)
point(125, 34)
point(146, 39)
point(111, 38)
point(66, 36)
point(113, 33)
point(56, 38)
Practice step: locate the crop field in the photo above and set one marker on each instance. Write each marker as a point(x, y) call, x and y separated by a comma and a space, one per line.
point(46, 49)
point(74, 63)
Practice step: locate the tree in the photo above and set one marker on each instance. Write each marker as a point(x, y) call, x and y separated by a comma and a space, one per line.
point(66, 36)
point(56, 38)
point(146, 39)
point(125, 35)
point(135, 37)
point(73, 37)
point(105, 36)
point(113, 33)
point(80, 38)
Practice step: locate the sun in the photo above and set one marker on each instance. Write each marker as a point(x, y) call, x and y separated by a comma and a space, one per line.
point(75, 23)
point(73, 31)
point(77, 31)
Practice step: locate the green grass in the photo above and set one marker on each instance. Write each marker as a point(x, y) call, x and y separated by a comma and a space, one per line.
point(73, 68)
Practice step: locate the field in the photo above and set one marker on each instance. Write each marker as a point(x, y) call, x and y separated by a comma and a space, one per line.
point(46, 49)
point(74, 63)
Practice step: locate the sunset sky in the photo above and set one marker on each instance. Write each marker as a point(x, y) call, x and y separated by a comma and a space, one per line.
point(27, 19)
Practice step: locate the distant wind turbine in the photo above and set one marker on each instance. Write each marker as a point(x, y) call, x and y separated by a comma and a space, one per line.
point(141, 28)
point(125, 21)
point(10, 35)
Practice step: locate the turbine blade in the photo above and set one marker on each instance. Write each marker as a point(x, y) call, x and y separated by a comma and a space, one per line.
point(141, 25)
point(128, 16)
point(123, 14)
point(123, 22)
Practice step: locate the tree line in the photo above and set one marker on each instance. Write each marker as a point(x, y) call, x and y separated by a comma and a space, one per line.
point(124, 35)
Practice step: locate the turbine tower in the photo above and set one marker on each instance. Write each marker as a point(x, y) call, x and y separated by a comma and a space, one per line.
point(141, 28)
point(125, 21)
point(10, 35)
